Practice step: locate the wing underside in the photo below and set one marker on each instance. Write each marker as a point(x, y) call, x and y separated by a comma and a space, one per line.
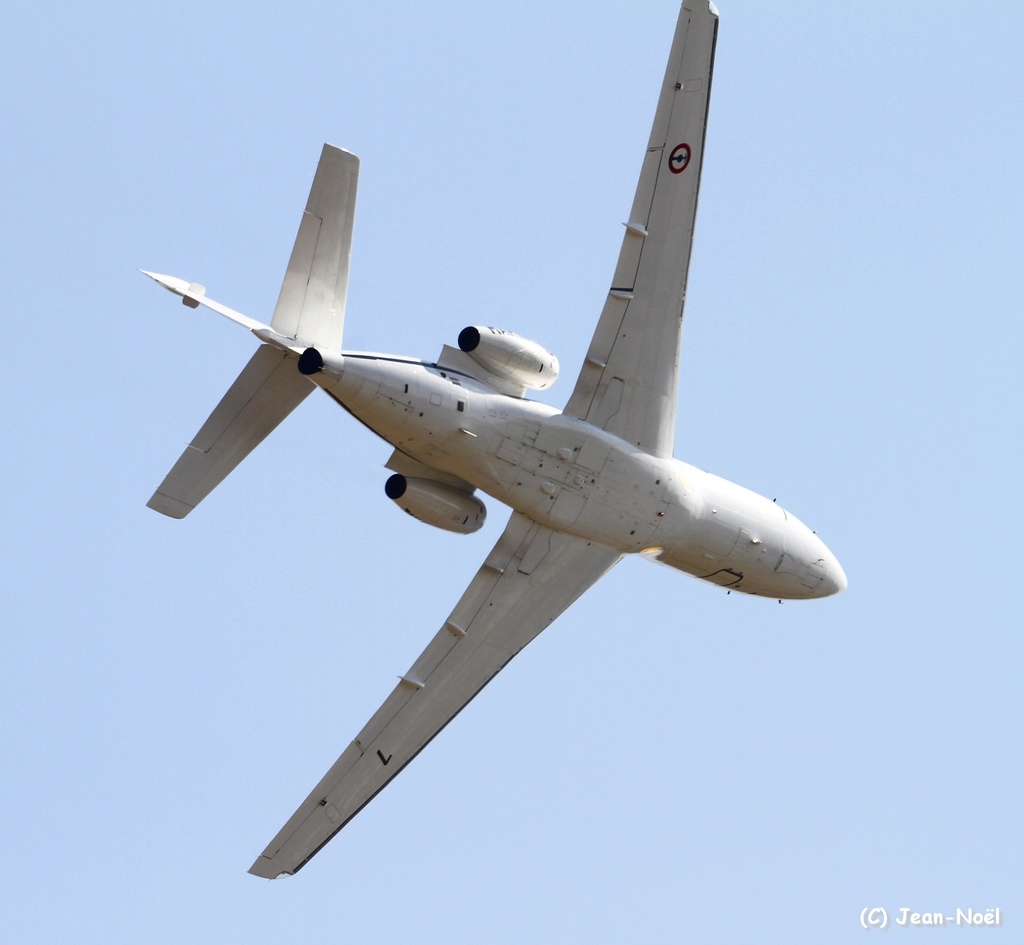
point(531, 575)
point(628, 383)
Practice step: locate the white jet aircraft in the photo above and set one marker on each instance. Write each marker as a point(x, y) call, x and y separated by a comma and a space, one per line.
point(587, 484)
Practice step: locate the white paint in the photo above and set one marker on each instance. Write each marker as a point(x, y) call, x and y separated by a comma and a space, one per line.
point(587, 485)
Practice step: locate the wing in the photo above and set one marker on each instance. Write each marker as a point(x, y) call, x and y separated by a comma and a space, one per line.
point(628, 384)
point(269, 388)
point(531, 575)
point(311, 306)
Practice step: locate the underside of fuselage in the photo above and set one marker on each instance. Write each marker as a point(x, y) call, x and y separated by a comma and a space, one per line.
point(567, 474)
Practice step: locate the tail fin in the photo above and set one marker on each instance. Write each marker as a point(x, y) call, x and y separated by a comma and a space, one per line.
point(311, 307)
point(310, 313)
point(268, 389)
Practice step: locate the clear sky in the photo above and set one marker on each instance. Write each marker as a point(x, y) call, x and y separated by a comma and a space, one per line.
point(665, 764)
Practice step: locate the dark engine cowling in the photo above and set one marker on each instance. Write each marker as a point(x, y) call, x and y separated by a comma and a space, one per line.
point(437, 503)
point(510, 356)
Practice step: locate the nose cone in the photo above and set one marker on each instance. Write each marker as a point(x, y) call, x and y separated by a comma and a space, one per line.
point(811, 568)
point(835, 578)
point(824, 565)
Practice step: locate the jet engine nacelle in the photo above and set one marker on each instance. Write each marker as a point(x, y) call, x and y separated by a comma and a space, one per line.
point(510, 356)
point(437, 504)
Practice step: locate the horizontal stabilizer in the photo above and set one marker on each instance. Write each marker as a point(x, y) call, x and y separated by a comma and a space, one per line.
point(269, 388)
point(311, 307)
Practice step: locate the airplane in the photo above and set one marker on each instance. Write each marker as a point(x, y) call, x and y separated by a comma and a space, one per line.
point(587, 484)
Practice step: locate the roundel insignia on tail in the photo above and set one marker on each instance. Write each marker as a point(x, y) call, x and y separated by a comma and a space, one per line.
point(679, 158)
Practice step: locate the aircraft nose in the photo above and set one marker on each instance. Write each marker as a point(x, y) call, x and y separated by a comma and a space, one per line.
point(835, 578)
point(831, 579)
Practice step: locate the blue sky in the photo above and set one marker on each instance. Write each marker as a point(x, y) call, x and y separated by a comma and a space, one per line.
point(666, 763)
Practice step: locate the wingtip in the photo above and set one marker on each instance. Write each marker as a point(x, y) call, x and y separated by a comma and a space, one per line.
point(340, 154)
point(264, 869)
point(168, 505)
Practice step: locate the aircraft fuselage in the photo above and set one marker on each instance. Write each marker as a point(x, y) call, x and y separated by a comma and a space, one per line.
point(577, 478)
